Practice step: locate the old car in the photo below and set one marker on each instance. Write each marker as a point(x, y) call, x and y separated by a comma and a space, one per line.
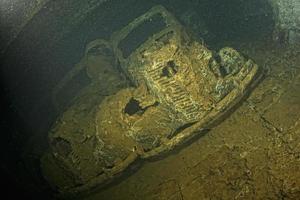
point(177, 90)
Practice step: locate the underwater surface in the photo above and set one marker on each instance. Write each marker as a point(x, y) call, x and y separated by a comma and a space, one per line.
point(198, 101)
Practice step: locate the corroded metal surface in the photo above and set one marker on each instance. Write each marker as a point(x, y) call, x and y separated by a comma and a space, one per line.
point(181, 89)
point(253, 154)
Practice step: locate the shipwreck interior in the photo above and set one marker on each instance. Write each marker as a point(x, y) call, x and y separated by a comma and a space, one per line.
point(49, 38)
